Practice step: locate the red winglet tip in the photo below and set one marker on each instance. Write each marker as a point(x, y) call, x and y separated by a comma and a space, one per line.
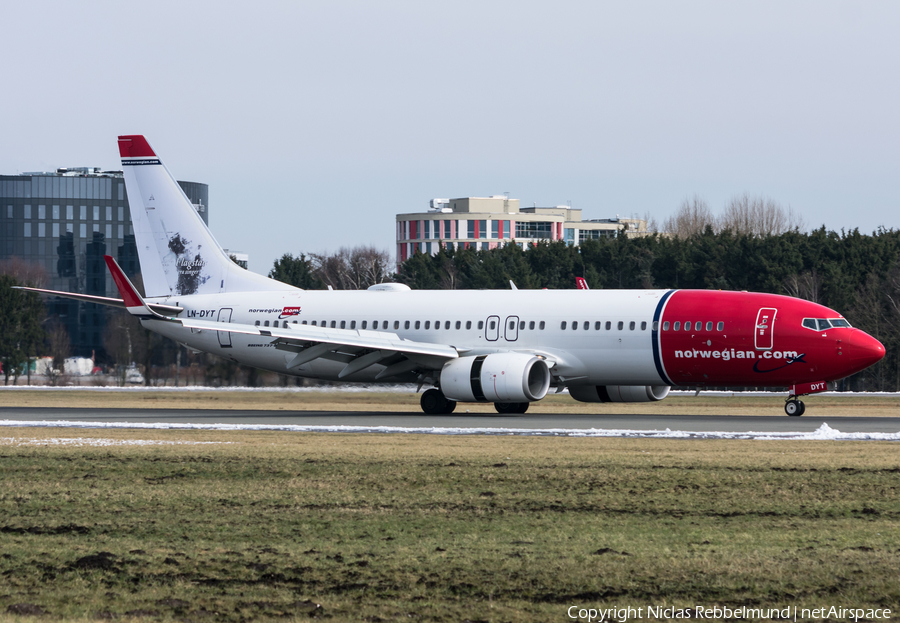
point(135, 146)
point(129, 295)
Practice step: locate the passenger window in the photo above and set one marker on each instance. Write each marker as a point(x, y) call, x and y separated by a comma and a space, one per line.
point(621, 325)
point(313, 323)
point(446, 325)
point(709, 326)
point(631, 326)
point(676, 326)
point(823, 324)
point(468, 324)
point(521, 325)
point(608, 325)
point(541, 326)
point(720, 326)
point(437, 325)
point(364, 323)
point(343, 324)
point(418, 324)
point(294, 322)
point(352, 324)
point(284, 325)
point(324, 323)
point(531, 325)
point(644, 326)
point(375, 325)
point(266, 323)
point(687, 326)
point(458, 325)
point(396, 324)
point(304, 322)
point(512, 325)
point(480, 325)
point(575, 325)
point(493, 324)
point(406, 325)
point(587, 325)
point(332, 324)
point(666, 325)
point(427, 324)
point(257, 323)
point(597, 326)
point(562, 325)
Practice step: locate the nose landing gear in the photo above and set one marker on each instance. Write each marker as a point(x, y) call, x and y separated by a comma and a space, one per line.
point(794, 407)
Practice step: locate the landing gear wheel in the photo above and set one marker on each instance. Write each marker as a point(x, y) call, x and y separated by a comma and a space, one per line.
point(511, 407)
point(434, 402)
point(802, 407)
point(794, 407)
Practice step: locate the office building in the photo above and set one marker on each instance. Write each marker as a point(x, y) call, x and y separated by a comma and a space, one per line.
point(489, 222)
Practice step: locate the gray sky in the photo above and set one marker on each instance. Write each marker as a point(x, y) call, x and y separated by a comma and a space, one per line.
point(301, 113)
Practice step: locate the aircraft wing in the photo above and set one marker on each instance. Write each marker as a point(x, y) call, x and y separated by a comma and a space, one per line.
point(358, 349)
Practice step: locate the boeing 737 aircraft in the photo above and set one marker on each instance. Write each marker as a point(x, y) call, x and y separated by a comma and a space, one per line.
point(506, 347)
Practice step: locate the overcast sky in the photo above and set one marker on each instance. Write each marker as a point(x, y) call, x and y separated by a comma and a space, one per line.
point(314, 124)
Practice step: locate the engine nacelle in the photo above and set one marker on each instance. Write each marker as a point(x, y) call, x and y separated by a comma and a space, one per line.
point(498, 377)
point(619, 393)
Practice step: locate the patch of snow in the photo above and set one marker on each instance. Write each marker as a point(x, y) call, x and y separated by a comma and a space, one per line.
point(824, 432)
point(86, 441)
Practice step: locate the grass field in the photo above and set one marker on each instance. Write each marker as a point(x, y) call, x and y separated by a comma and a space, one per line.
point(406, 401)
point(284, 526)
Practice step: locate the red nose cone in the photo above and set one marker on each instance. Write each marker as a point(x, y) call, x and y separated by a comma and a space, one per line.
point(865, 350)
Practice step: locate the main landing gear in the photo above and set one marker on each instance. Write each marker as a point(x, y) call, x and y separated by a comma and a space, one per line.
point(511, 407)
point(435, 403)
point(794, 407)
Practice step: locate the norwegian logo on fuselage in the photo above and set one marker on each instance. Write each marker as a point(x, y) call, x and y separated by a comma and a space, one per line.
point(287, 312)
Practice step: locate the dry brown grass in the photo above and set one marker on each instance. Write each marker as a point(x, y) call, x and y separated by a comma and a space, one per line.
point(377, 401)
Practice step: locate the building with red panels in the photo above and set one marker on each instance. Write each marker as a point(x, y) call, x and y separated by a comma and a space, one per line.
point(488, 222)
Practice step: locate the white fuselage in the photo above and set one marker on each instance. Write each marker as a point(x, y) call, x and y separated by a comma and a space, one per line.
point(614, 347)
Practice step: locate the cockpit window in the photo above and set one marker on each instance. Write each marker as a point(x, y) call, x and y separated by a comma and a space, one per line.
point(821, 324)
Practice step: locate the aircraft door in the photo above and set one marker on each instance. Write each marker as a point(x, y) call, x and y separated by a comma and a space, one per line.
point(765, 327)
point(492, 328)
point(511, 328)
point(224, 336)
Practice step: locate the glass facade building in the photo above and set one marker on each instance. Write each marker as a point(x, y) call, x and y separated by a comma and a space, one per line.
point(63, 223)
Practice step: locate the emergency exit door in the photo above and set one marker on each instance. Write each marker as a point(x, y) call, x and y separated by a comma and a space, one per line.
point(224, 336)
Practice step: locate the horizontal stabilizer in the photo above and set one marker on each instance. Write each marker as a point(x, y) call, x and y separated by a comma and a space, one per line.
point(165, 310)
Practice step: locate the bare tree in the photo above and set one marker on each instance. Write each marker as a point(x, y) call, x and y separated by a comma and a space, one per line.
point(26, 273)
point(353, 269)
point(758, 216)
point(691, 218)
point(807, 285)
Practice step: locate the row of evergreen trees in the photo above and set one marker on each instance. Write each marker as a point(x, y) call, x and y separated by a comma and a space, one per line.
point(858, 275)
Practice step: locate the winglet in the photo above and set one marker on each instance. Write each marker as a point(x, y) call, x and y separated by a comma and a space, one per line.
point(582, 284)
point(134, 302)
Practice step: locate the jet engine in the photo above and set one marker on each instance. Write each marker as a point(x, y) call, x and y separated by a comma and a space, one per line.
point(619, 393)
point(499, 377)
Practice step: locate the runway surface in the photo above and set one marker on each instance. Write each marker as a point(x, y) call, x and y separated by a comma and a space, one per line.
point(624, 425)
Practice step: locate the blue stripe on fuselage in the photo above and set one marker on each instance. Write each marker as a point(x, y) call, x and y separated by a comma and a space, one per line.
point(656, 354)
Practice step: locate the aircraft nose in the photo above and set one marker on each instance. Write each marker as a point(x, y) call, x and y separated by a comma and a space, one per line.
point(865, 350)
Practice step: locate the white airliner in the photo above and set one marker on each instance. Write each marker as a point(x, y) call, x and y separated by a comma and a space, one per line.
point(507, 347)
